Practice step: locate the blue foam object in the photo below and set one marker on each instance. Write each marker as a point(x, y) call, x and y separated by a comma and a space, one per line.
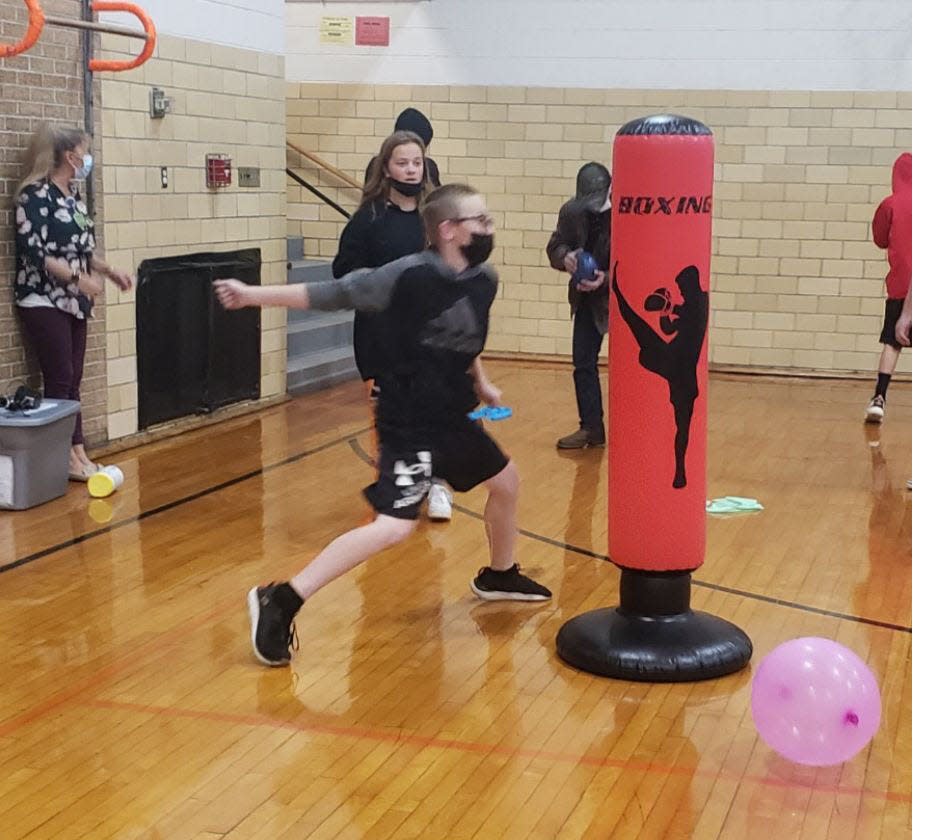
point(586, 268)
point(490, 412)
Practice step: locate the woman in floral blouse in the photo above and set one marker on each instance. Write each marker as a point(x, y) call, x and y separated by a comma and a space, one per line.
point(57, 274)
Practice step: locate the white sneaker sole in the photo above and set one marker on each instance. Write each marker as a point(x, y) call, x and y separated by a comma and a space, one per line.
point(254, 610)
point(439, 503)
point(506, 596)
point(875, 415)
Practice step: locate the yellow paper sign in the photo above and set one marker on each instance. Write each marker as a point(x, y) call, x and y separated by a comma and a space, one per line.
point(336, 30)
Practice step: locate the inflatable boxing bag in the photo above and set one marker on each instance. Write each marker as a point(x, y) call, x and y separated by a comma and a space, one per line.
point(658, 331)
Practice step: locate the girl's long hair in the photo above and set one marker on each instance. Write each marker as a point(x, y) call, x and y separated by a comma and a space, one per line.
point(46, 152)
point(377, 188)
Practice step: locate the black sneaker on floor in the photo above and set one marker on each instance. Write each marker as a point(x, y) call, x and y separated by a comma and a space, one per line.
point(272, 629)
point(510, 585)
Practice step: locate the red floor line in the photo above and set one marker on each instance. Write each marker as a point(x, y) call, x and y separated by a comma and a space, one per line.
point(99, 678)
point(486, 749)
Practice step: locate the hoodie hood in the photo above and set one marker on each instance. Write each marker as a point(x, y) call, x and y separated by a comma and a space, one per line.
point(416, 122)
point(902, 173)
point(892, 228)
point(593, 184)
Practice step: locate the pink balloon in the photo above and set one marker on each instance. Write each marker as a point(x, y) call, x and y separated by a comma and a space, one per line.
point(815, 702)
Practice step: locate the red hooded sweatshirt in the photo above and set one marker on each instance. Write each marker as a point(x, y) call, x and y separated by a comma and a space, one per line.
point(892, 228)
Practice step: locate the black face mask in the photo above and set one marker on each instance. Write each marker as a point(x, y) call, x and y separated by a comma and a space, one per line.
point(479, 248)
point(407, 189)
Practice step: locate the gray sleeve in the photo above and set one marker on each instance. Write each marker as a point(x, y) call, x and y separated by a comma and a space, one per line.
point(367, 289)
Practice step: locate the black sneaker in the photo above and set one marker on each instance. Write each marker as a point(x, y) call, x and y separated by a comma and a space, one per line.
point(272, 629)
point(510, 585)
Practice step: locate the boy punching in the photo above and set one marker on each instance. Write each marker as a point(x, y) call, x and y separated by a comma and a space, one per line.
point(436, 307)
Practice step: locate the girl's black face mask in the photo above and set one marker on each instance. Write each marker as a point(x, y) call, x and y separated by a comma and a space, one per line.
point(407, 189)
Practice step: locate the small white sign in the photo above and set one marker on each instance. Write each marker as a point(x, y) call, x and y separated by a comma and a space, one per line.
point(6, 481)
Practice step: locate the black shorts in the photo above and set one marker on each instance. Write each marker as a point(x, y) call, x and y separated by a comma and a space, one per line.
point(462, 454)
point(891, 315)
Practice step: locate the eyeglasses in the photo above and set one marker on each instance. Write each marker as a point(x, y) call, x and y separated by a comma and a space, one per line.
point(483, 218)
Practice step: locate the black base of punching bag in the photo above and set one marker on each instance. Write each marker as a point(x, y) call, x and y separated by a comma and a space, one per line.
point(654, 636)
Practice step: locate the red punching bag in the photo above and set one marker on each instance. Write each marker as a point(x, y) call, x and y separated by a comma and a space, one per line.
point(658, 325)
point(659, 312)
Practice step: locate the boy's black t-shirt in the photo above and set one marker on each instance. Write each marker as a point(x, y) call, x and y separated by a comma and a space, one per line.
point(433, 324)
point(378, 233)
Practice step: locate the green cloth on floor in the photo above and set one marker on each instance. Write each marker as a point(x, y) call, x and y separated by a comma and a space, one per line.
point(732, 504)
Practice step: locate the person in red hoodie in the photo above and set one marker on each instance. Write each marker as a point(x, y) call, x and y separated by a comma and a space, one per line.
point(892, 230)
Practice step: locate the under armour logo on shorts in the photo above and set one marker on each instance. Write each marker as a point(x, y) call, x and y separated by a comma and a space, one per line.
point(405, 475)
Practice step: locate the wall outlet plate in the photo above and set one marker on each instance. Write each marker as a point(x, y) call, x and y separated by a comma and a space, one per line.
point(159, 104)
point(249, 176)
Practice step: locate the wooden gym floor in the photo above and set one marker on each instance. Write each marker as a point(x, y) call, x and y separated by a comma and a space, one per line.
point(131, 707)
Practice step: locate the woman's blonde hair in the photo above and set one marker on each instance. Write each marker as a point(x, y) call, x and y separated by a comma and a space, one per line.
point(46, 152)
point(377, 187)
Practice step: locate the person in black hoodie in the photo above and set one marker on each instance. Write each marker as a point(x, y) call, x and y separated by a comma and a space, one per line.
point(584, 224)
point(385, 227)
point(418, 123)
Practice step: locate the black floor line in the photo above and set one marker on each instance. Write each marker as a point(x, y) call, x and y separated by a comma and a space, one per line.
point(38, 555)
point(352, 439)
point(780, 602)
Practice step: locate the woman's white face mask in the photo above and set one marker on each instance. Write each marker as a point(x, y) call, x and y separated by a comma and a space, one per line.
point(82, 171)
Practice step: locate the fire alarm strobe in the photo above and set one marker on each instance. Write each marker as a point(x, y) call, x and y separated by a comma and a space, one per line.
point(218, 171)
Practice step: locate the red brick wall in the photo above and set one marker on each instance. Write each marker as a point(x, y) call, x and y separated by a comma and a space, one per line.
point(44, 84)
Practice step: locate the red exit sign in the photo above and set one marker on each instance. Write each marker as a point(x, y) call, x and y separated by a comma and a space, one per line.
point(372, 31)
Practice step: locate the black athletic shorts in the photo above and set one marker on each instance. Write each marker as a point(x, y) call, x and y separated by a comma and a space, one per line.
point(462, 454)
point(892, 313)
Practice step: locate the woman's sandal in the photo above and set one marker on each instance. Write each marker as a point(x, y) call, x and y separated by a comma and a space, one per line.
point(86, 471)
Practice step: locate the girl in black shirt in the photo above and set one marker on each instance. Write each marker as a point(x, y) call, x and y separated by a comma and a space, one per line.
point(385, 227)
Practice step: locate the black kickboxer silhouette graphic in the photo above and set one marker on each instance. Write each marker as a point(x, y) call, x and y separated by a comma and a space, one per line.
point(675, 360)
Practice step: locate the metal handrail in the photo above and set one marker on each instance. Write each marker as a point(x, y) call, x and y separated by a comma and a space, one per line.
point(326, 166)
point(319, 195)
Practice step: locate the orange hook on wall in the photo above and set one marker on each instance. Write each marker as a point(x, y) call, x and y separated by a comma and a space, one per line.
point(150, 35)
point(38, 19)
point(33, 30)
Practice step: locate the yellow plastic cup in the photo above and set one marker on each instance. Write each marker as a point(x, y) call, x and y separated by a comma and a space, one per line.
point(105, 482)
